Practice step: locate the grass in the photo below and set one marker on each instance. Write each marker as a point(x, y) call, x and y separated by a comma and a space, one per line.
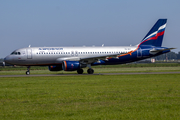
point(97, 70)
point(91, 97)
point(23, 68)
point(124, 68)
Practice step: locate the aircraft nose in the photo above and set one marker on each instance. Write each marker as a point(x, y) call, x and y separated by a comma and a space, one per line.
point(7, 59)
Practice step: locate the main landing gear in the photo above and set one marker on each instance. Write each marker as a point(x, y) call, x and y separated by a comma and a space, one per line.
point(28, 70)
point(89, 71)
point(80, 71)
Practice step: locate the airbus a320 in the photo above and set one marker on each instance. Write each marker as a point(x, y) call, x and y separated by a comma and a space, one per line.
point(76, 58)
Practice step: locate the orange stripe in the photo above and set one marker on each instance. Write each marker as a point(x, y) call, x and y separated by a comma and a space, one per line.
point(126, 53)
point(65, 65)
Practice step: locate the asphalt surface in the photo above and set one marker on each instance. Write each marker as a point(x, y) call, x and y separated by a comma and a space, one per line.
point(42, 75)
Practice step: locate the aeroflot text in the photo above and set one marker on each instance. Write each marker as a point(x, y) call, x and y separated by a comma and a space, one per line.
point(50, 48)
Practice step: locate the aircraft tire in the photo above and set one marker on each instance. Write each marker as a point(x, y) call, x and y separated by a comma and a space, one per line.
point(80, 71)
point(27, 72)
point(90, 71)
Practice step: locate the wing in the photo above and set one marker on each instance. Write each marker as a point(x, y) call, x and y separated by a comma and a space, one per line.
point(92, 59)
point(89, 59)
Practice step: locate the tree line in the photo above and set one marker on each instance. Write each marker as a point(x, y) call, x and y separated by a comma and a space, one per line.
point(169, 56)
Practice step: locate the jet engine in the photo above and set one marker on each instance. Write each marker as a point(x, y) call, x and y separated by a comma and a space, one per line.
point(55, 67)
point(72, 65)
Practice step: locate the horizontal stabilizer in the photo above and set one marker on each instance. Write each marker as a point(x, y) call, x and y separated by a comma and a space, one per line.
point(155, 51)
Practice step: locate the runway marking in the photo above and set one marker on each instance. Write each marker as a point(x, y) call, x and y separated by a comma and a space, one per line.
point(42, 75)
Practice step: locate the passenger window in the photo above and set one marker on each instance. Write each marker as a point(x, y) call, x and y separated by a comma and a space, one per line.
point(19, 53)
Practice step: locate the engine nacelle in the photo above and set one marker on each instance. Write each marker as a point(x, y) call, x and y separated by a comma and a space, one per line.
point(55, 67)
point(72, 65)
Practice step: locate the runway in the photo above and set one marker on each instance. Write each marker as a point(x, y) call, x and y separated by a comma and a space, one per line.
point(42, 75)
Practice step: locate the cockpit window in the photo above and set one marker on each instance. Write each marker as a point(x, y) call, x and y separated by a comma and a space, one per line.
point(16, 53)
point(12, 53)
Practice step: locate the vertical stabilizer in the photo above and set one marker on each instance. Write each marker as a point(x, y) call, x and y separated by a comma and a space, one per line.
point(155, 35)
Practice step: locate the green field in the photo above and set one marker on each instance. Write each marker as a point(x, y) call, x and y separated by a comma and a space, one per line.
point(91, 97)
point(124, 68)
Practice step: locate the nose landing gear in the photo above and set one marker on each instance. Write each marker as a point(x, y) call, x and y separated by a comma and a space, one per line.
point(28, 70)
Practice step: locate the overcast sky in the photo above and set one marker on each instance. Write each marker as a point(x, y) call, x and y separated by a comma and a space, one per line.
point(84, 22)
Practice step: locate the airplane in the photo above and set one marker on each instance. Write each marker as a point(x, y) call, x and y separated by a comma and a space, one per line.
point(76, 58)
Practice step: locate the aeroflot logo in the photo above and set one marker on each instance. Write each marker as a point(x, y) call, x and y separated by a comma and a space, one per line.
point(50, 48)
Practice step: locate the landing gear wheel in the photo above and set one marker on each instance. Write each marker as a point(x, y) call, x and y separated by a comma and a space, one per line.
point(27, 72)
point(90, 71)
point(80, 71)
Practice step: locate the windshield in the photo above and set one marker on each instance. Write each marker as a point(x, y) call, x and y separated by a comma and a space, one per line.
point(15, 53)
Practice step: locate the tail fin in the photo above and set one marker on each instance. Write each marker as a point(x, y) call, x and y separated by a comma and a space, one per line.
point(155, 35)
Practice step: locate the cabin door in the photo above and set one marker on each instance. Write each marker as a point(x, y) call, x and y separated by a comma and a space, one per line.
point(29, 53)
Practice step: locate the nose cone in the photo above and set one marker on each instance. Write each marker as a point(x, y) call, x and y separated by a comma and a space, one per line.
point(8, 59)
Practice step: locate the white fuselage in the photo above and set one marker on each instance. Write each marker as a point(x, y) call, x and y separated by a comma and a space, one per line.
point(55, 55)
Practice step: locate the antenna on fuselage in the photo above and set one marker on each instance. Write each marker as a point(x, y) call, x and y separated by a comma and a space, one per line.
point(29, 45)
